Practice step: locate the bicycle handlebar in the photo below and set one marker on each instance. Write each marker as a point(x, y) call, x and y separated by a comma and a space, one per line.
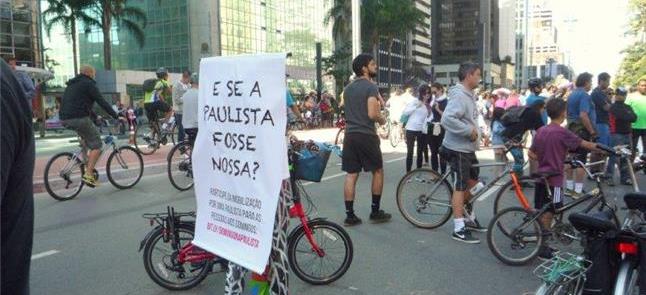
point(606, 149)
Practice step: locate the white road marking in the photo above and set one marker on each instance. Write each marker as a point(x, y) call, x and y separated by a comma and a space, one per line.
point(44, 254)
point(343, 173)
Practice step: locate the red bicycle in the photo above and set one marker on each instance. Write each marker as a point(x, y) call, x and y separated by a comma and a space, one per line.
point(340, 135)
point(319, 251)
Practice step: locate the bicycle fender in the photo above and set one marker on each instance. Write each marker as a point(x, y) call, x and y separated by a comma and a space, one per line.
point(148, 236)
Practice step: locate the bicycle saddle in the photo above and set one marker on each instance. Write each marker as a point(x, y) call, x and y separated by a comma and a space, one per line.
point(595, 222)
point(545, 174)
point(636, 201)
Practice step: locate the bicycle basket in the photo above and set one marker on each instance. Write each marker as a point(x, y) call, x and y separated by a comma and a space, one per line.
point(562, 269)
point(311, 164)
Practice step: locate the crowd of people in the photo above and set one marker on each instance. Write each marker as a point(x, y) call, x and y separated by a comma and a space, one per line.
point(556, 121)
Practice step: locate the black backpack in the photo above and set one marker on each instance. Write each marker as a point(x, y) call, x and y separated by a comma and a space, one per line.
point(512, 115)
point(149, 85)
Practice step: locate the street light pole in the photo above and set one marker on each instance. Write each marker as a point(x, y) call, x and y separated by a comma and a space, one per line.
point(356, 27)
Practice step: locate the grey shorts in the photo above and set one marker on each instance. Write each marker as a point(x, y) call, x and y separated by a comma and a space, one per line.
point(86, 130)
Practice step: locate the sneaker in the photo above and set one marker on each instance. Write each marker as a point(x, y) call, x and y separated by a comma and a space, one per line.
point(380, 216)
point(90, 181)
point(546, 253)
point(352, 220)
point(474, 226)
point(465, 236)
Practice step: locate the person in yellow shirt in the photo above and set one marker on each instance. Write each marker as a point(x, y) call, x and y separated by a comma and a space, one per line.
point(158, 99)
point(637, 101)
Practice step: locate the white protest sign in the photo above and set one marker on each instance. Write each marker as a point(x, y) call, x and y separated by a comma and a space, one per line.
point(240, 155)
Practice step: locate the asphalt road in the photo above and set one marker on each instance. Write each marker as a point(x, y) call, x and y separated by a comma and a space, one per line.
point(89, 245)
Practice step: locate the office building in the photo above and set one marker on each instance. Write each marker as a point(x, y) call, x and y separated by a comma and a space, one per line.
point(420, 39)
point(180, 33)
point(19, 33)
point(465, 30)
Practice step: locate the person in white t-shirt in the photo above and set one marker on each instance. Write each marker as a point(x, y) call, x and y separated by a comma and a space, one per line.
point(416, 126)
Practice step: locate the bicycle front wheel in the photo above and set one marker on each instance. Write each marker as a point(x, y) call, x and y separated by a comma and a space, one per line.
point(160, 260)
point(324, 266)
point(507, 196)
point(146, 139)
point(180, 167)
point(63, 176)
point(424, 199)
point(125, 167)
point(514, 237)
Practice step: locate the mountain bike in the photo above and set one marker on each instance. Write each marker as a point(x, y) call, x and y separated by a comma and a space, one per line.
point(64, 171)
point(180, 166)
point(149, 137)
point(519, 230)
point(424, 196)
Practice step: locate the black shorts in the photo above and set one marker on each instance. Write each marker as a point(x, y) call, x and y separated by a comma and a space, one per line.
point(153, 109)
point(361, 152)
point(542, 196)
point(462, 166)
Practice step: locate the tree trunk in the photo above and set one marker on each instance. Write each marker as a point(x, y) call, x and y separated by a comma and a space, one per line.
point(74, 48)
point(390, 63)
point(106, 24)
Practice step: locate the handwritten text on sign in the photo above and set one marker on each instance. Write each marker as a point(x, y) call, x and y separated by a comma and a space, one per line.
point(240, 156)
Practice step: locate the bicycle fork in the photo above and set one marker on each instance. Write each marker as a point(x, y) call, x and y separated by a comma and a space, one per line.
point(297, 212)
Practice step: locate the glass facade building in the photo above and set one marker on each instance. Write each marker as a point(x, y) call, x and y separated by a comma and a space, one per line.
point(19, 31)
point(255, 26)
point(167, 40)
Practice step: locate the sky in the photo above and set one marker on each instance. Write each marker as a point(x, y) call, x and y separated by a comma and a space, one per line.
point(596, 37)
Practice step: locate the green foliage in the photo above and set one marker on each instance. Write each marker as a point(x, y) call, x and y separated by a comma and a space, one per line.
point(633, 67)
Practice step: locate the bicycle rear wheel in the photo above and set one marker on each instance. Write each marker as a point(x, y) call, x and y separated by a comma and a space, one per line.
point(626, 283)
point(160, 261)
point(513, 238)
point(395, 135)
point(146, 139)
point(63, 178)
point(507, 198)
point(336, 247)
point(424, 199)
point(125, 167)
point(180, 167)
point(340, 136)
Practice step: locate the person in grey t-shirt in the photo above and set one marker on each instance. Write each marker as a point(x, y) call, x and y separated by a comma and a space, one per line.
point(189, 109)
point(361, 149)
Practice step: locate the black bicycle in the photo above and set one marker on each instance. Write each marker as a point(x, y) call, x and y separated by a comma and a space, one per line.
point(180, 166)
point(518, 231)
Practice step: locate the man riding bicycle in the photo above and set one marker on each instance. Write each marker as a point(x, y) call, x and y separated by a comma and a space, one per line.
point(79, 97)
point(156, 101)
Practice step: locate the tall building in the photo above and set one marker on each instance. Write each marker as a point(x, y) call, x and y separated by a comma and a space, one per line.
point(179, 33)
point(507, 29)
point(465, 30)
point(520, 44)
point(19, 33)
point(420, 45)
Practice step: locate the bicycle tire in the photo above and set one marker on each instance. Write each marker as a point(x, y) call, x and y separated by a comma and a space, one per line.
point(319, 225)
point(493, 245)
point(50, 186)
point(507, 190)
point(626, 279)
point(173, 181)
point(204, 268)
point(143, 145)
point(434, 177)
point(139, 161)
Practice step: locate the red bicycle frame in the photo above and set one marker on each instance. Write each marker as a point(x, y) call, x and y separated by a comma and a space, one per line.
point(194, 254)
point(297, 211)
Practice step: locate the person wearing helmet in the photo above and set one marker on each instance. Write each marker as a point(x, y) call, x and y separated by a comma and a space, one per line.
point(536, 87)
point(156, 100)
point(621, 118)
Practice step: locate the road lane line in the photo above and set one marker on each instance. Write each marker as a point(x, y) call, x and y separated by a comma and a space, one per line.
point(44, 254)
point(343, 173)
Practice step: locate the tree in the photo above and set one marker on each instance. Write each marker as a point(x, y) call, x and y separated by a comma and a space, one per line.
point(132, 19)
point(338, 64)
point(395, 19)
point(67, 14)
point(633, 67)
